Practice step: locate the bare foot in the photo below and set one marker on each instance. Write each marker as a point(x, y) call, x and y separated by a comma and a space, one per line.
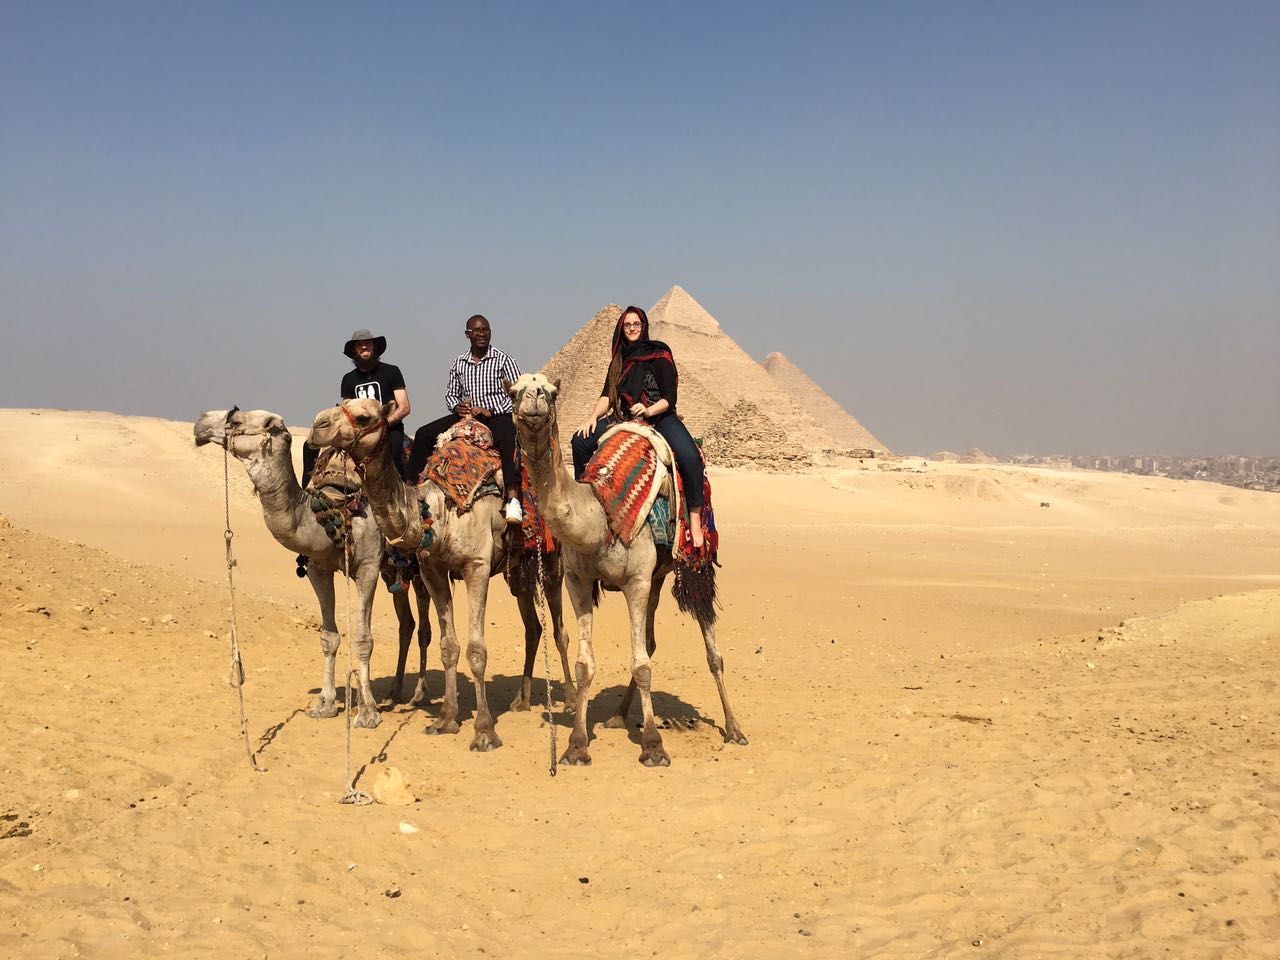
point(695, 528)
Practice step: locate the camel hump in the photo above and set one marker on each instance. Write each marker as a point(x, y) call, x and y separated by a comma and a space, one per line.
point(632, 466)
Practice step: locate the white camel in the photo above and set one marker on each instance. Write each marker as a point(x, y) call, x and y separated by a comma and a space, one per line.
point(261, 441)
point(591, 555)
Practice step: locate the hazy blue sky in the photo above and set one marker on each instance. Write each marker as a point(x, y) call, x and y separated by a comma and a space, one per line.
point(1020, 226)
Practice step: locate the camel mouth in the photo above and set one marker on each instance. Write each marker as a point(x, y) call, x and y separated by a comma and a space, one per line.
point(210, 428)
point(533, 418)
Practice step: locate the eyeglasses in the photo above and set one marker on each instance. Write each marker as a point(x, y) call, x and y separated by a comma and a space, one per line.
point(633, 325)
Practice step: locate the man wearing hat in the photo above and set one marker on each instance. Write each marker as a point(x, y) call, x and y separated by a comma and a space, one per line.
point(371, 379)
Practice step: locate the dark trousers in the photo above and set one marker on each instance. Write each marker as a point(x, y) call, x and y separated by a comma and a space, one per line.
point(673, 430)
point(504, 438)
point(395, 437)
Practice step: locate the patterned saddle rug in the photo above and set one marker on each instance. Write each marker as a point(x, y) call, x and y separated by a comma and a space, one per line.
point(464, 464)
point(631, 467)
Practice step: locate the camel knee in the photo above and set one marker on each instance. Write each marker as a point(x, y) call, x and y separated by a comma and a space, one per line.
point(449, 654)
point(715, 662)
point(585, 671)
point(362, 647)
point(478, 658)
point(643, 675)
point(329, 640)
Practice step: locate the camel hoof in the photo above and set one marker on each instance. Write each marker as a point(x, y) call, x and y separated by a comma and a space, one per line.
point(442, 726)
point(323, 711)
point(575, 758)
point(656, 757)
point(419, 697)
point(616, 722)
point(484, 742)
point(520, 705)
point(368, 719)
point(735, 736)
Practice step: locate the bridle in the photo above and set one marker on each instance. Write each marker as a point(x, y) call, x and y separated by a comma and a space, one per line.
point(549, 428)
point(361, 433)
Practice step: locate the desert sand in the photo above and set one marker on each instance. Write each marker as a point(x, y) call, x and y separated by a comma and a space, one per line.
point(980, 727)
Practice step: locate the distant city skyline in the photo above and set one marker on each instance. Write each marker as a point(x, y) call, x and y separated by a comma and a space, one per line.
point(1021, 228)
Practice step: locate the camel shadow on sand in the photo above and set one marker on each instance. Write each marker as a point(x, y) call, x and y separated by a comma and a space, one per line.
point(673, 712)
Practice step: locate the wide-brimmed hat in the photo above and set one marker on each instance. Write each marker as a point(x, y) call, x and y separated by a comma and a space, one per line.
point(379, 343)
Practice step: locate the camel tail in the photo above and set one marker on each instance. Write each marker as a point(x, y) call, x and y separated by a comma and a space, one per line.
point(695, 591)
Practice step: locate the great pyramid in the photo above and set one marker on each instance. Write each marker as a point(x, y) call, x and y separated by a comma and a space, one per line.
point(726, 399)
point(837, 421)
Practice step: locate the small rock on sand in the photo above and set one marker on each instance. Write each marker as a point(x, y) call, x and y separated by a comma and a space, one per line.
point(392, 788)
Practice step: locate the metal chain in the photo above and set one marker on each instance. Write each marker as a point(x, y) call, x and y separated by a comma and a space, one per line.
point(350, 794)
point(540, 599)
point(235, 676)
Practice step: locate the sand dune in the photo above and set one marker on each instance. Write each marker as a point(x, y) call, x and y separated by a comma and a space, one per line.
point(979, 727)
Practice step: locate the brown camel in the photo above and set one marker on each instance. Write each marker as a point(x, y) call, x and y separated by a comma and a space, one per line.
point(261, 441)
point(590, 555)
point(470, 545)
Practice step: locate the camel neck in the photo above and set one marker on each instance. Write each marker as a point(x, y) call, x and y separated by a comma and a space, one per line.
point(570, 508)
point(284, 504)
point(394, 503)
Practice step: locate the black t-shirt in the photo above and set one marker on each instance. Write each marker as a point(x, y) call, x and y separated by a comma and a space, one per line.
point(380, 383)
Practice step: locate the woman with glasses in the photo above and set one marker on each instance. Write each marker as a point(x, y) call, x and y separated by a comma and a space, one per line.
point(641, 385)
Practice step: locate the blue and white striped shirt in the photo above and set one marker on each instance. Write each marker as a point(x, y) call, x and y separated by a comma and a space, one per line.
point(480, 381)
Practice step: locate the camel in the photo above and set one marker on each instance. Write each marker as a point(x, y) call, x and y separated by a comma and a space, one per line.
point(261, 441)
point(590, 555)
point(470, 545)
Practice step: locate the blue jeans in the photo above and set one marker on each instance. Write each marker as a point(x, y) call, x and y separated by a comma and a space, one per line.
point(673, 430)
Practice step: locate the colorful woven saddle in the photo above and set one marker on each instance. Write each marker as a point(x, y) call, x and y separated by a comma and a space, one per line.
point(464, 464)
point(632, 466)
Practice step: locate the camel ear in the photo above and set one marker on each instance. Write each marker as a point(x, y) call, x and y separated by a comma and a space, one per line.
point(388, 409)
point(556, 384)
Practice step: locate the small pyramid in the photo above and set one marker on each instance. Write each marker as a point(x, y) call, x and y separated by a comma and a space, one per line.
point(841, 424)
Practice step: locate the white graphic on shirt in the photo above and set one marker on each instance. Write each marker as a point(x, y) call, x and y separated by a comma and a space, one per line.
point(369, 391)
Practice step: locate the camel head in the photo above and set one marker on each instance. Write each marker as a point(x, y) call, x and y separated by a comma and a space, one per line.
point(356, 427)
point(533, 400)
point(533, 409)
point(247, 434)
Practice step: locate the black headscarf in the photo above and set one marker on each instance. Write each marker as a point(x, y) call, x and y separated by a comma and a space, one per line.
point(627, 368)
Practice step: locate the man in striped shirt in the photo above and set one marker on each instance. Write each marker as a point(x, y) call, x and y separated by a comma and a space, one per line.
point(476, 388)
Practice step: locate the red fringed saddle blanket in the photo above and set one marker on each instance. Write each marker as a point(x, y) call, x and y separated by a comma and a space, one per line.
point(533, 528)
point(684, 549)
point(464, 459)
point(630, 468)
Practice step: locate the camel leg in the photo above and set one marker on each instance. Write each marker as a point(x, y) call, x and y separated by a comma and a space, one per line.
point(424, 638)
point(555, 608)
point(619, 720)
point(322, 583)
point(486, 735)
point(404, 617)
point(438, 584)
point(732, 732)
point(638, 594)
point(526, 601)
point(585, 666)
point(362, 646)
